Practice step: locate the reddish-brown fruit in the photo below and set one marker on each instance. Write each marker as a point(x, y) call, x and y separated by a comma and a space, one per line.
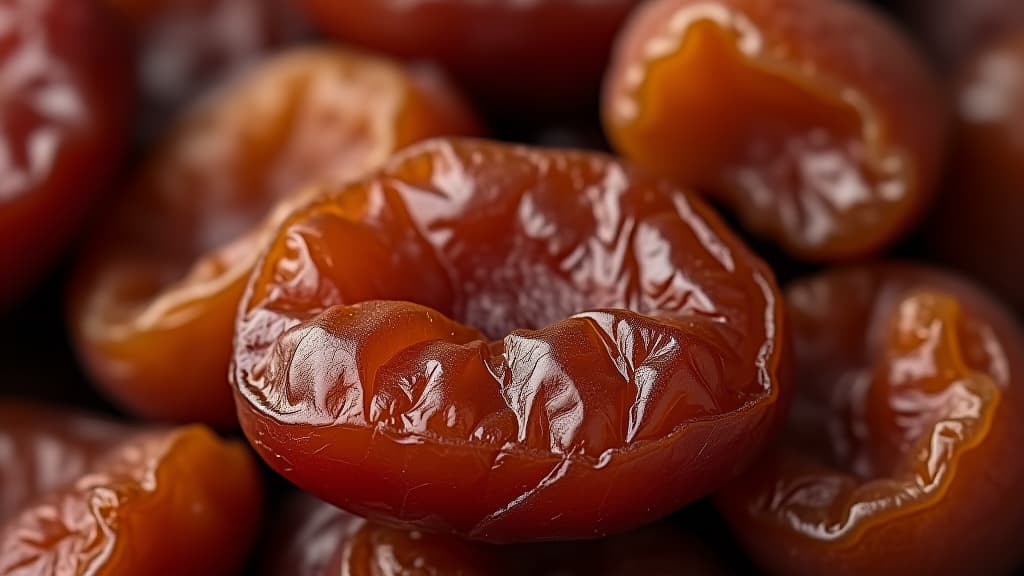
point(977, 225)
point(902, 450)
point(548, 53)
point(45, 449)
point(508, 344)
point(120, 502)
point(154, 302)
point(814, 120)
point(317, 539)
point(65, 102)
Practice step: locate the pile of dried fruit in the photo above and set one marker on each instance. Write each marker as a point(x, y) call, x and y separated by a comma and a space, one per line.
point(312, 287)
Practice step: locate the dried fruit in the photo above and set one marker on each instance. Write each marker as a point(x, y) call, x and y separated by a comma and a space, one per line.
point(814, 120)
point(181, 500)
point(155, 298)
point(65, 105)
point(509, 344)
point(901, 450)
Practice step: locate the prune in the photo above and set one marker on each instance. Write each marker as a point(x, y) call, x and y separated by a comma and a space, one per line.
point(181, 500)
point(814, 120)
point(509, 344)
point(902, 451)
point(154, 303)
point(63, 106)
point(318, 539)
point(185, 46)
point(955, 29)
point(45, 449)
point(977, 225)
point(546, 53)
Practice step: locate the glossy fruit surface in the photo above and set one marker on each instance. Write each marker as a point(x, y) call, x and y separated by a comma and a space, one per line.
point(542, 52)
point(977, 224)
point(901, 453)
point(181, 500)
point(815, 121)
point(156, 295)
point(509, 344)
point(45, 449)
point(65, 102)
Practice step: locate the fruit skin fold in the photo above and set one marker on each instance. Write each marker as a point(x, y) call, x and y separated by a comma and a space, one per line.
point(813, 121)
point(508, 344)
point(904, 431)
point(153, 300)
point(65, 113)
point(126, 500)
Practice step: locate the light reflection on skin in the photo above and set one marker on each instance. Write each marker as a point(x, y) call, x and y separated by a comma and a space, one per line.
point(814, 190)
point(670, 41)
point(32, 73)
point(50, 451)
point(994, 95)
point(936, 405)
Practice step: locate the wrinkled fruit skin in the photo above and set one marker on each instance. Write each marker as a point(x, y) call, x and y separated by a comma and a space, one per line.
point(179, 499)
point(509, 344)
point(154, 300)
point(902, 449)
point(954, 30)
point(46, 449)
point(184, 46)
point(64, 109)
point(814, 120)
point(977, 224)
point(317, 539)
point(544, 53)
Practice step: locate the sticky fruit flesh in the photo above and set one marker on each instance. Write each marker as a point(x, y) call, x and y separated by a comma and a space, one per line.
point(155, 296)
point(774, 109)
point(906, 395)
point(480, 338)
point(180, 499)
